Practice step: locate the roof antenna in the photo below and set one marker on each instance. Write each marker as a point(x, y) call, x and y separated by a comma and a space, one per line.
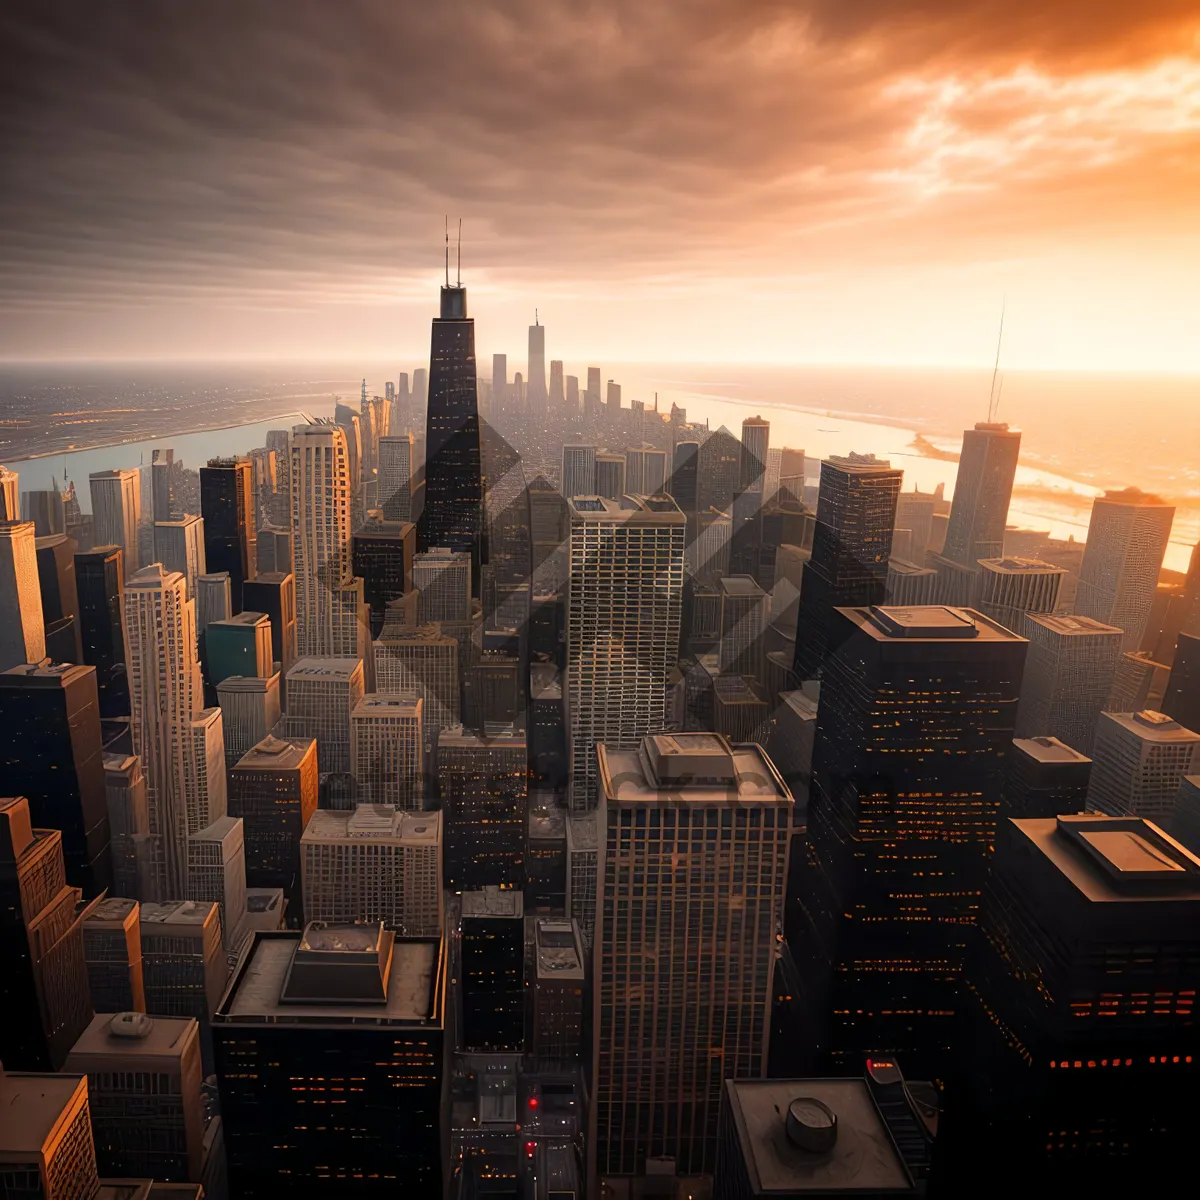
point(999, 391)
point(458, 282)
point(535, 317)
point(447, 249)
point(993, 399)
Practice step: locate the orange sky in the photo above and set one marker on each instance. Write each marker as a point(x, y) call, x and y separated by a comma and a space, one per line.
point(708, 180)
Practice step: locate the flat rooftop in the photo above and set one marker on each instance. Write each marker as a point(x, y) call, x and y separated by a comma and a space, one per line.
point(741, 585)
point(48, 675)
point(1151, 726)
point(656, 510)
point(1020, 566)
point(456, 735)
point(1116, 859)
point(1073, 626)
point(559, 950)
point(801, 703)
point(583, 831)
point(112, 912)
point(164, 1037)
point(864, 463)
point(378, 704)
point(493, 902)
point(546, 823)
point(257, 986)
point(31, 1108)
point(334, 669)
point(927, 623)
point(192, 913)
point(901, 566)
point(119, 762)
point(738, 689)
point(1049, 750)
point(373, 822)
point(863, 1158)
point(243, 618)
point(276, 754)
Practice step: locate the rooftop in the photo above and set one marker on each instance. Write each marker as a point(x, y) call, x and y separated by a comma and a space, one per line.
point(864, 463)
point(378, 822)
point(1073, 626)
point(547, 823)
point(559, 949)
point(493, 902)
point(583, 831)
point(927, 623)
point(218, 831)
point(44, 675)
point(901, 566)
point(336, 669)
point(192, 913)
point(545, 682)
point(242, 618)
point(456, 735)
point(741, 585)
point(376, 704)
point(153, 576)
point(111, 911)
point(738, 689)
point(163, 1037)
point(1020, 566)
point(862, 1158)
point(1148, 726)
point(1133, 495)
point(276, 754)
point(32, 1106)
point(632, 509)
point(802, 703)
point(1049, 750)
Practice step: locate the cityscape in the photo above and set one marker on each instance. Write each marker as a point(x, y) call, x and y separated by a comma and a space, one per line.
point(510, 784)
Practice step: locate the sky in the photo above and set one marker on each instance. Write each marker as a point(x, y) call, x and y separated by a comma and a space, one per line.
point(703, 180)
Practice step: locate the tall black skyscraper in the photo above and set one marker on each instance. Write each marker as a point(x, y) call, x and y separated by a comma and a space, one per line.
point(226, 504)
point(98, 576)
point(453, 462)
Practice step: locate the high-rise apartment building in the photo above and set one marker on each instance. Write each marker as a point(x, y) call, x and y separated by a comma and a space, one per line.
point(116, 514)
point(51, 753)
point(913, 734)
point(1045, 778)
point(112, 949)
point(351, 1008)
point(99, 575)
point(227, 506)
point(1139, 761)
point(442, 578)
point(982, 493)
point(421, 662)
point(22, 630)
point(483, 783)
point(44, 984)
point(47, 1151)
point(1011, 587)
point(694, 867)
point(623, 614)
point(852, 542)
point(387, 751)
point(1127, 538)
point(396, 470)
point(1068, 674)
point(250, 710)
point(321, 695)
point(578, 471)
point(374, 864)
point(492, 949)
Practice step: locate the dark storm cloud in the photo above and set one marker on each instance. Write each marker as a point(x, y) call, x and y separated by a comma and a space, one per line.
point(273, 152)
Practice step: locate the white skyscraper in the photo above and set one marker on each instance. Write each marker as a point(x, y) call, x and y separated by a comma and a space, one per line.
point(442, 578)
point(387, 756)
point(395, 476)
point(694, 865)
point(116, 513)
point(179, 546)
point(1127, 538)
point(579, 471)
point(330, 619)
point(165, 692)
point(22, 630)
point(623, 612)
point(1139, 762)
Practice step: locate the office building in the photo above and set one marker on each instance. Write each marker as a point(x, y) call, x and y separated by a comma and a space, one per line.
point(1185, 819)
point(756, 434)
point(559, 986)
point(44, 985)
point(227, 506)
point(1181, 698)
point(708, 557)
point(22, 631)
point(46, 1148)
point(250, 710)
point(852, 543)
point(382, 553)
point(60, 598)
point(45, 509)
point(1127, 537)
point(239, 645)
point(683, 969)
point(741, 711)
point(351, 1008)
point(914, 729)
point(99, 575)
point(116, 514)
point(546, 856)
point(499, 383)
point(217, 873)
point(718, 471)
point(492, 974)
point(374, 864)
point(1045, 778)
point(50, 752)
point(1009, 588)
point(646, 471)
point(483, 783)
point(145, 1094)
point(442, 577)
point(683, 483)
point(321, 695)
point(421, 662)
point(112, 950)
point(183, 965)
point(387, 751)
point(791, 740)
point(214, 599)
point(274, 593)
point(610, 475)
point(583, 871)
point(982, 492)
point(744, 612)
point(128, 809)
point(204, 790)
point(578, 471)
point(328, 599)
point(536, 379)
point(1139, 762)
point(909, 585)
point(1080, 1043)
point(179, 546)
point(623, 617)
point(273, 548)
point(1068, 676)
point(396, 471)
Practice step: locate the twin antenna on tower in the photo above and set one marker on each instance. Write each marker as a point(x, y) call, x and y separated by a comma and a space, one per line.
point(458, 281)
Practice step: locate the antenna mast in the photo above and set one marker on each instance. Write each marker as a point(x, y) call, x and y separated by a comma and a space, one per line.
point(993, 399)
point(458, 283)
point(447, 249)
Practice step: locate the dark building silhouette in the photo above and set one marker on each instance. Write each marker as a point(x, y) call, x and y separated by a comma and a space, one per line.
point(913, 733)
point(227, 506)
point(492, 974)
point(60, 599)
point(682, 484)
point(1079, 1047)
point(99, 574)
point(330, 1064)
point(51, 752)
point(852, 542)
point(382, 556)
point(1182, 697)
point(453, 464)
point(1045, 778)
point(275, 594)
point(44, 982)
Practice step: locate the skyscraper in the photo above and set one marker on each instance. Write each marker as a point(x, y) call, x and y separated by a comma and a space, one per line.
point(22, 631)
point(227, 506)
point(51, 753)
point(1045, 778)
point(982, 492)
point(610, 475)
point(250, 709)
point(852, 542)
point(98, 578)
point(453, 461)
point(1181, 698)
point(579, 471)
point(685, 960)
point(387, 751)
point(60, 597)
point(239, 645)
point(275, 595)
point(214, 600)
point(1127, 537)
point(744, 610)
point(718, 471)
point(1138, 763)
point(321, 694)
point(10, 504)
point(914, 729)
point(1011, 587)
point(756, 434)
point(396, 476)
point(536, 378)
point(442, 578)
point(499, 384)
point(646, 471)
point(623, 612)
point(129, 823)
point(116, 513)
point(422, 662)
point(557, 395)
point(48, 1148)
point(493, 970)
point(179, 546)
point(683, 482)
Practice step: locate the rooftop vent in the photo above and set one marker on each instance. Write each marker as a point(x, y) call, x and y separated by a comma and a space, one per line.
point(811, 1125)
point(131, 1025)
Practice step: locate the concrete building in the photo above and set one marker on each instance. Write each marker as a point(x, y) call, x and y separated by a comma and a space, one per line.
point(179, 546)
point(708, 556)
point(22, 629)
point(1138, 682)
point(559, 987)
point(1139, 762)
point(183, 964)
point(396, 454)
point(623, 619)
point(205, 795)
point(583, 870)
point(116, 514)
point(250, 709)
point(610, 475)
point(442, 578)
point(214, 599)
point(46, 1148)
point(421, 662)
point(1009, 588)
point(910, 585)
point(1068, 676)
point(374, 864)
point(217, 873)
point(741, 711)
point(387, 751)
point(690, 966)
point(321, 695)
point(492, 973)
point(745, 609)
point(10, 503)
point(756, 435)
point(112, 949)
point(1045, 778)
point(130, 842)
point(578, 471)
point(382, 553)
